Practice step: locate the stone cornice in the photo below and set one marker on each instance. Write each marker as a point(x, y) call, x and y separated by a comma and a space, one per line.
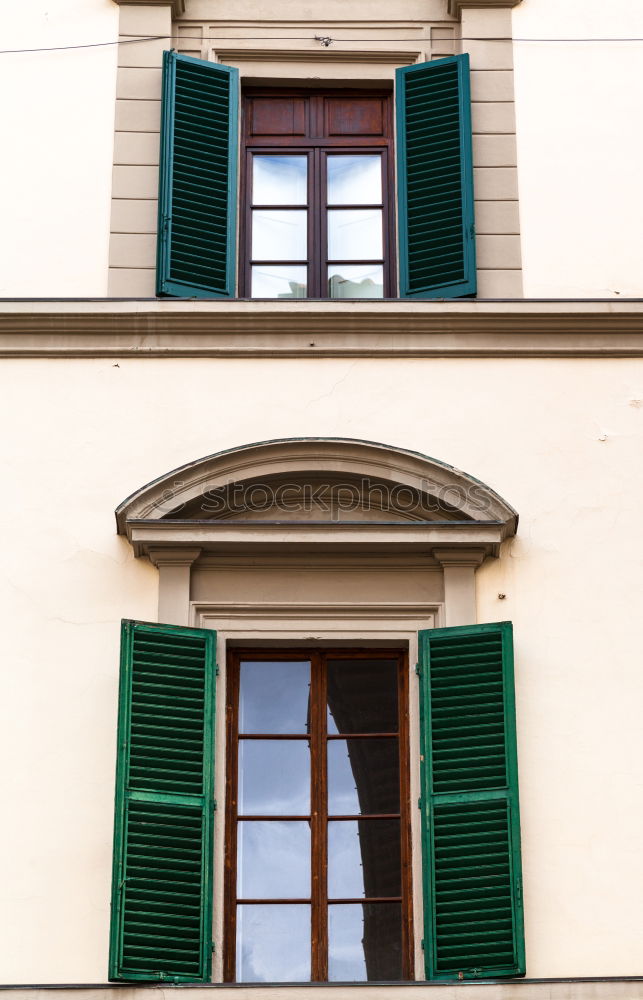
point(457, 6)
point(147, 536)
point(395, 328)
point(178, 6)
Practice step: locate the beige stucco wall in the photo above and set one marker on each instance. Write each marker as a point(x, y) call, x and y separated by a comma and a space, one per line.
point(579, 148)
point(57, 127)
point(559, 439)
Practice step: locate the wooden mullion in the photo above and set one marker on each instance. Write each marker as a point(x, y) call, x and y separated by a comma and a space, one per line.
point(363, 736)
point(355, 816)
point(245, 220)
point(273, 900)
point(366, 899)
point(319, 840)
point(273, 736)
point(230, 869)
point(265, 818)
point(323, 222)
point(315, 222)
point(408, 971)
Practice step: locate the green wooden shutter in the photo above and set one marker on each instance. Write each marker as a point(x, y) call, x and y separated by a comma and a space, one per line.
point(162, 881)
point(197, 178)
point(435, 179)
point(473, 923)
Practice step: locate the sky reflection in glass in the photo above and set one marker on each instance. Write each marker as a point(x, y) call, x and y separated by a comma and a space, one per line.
point(273, 943)
point(274, 778)
point(273, 859)
point(274, 696)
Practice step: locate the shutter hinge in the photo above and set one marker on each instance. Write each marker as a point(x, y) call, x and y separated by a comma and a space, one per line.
point(417, 670)
point(214, 948)
point(422, 944)
point(419, 803)
point(519, 891)
point(214, 805)
point(216, 670)
point(472, 231)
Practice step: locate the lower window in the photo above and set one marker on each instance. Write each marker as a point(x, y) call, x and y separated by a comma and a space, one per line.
point(317, 873)
point(318, 852)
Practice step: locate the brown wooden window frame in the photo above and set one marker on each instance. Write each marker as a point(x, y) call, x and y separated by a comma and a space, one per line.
point(317, 143)
point(317, 738)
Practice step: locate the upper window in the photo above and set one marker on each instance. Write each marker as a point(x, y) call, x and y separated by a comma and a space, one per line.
point(316, 185)
point(315, 210)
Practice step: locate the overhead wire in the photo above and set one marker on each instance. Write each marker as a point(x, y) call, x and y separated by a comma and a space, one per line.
point(306, 38)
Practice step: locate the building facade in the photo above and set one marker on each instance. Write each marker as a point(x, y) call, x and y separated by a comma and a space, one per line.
point(322, 464)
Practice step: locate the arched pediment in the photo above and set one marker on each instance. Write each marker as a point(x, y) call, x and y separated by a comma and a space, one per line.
point(322, 483)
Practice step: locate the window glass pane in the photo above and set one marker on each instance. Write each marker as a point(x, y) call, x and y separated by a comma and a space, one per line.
point(364, 858)
point(364, 942)
point(363, 777)
point(362, 696)
point(273, 859)
point(279, 234)
point(354, 180)
point(355, 281)
point(274, 696)
point(271, 282)
point(354, 234)
point(274, 778)
point(273, 943)
point(279, 180)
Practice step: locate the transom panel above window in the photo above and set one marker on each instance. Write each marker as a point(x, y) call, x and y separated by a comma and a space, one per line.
point(317, 183)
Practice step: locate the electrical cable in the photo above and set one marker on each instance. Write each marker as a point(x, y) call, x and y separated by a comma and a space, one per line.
point(304, 38)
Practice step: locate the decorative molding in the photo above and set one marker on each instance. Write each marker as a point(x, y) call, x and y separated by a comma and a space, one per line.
point(190, 502)
point(173, 557)
point(295, 611)
point(116, 328)
point(174, 566)
point(459, 567)
point(457, 6)
point(178, 6)
point(227, 538)
point(460, 558)
point(395, 57)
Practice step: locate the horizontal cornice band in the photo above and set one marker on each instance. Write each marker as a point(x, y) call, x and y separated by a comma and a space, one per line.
point(239, 328)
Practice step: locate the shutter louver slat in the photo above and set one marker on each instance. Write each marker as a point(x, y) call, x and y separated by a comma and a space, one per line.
point(197, 193)
point(161, 899)
point(435, 172)
point(471, 836)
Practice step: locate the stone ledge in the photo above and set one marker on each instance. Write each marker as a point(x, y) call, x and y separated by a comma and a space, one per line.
point(613, 988)
point(393, 328)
